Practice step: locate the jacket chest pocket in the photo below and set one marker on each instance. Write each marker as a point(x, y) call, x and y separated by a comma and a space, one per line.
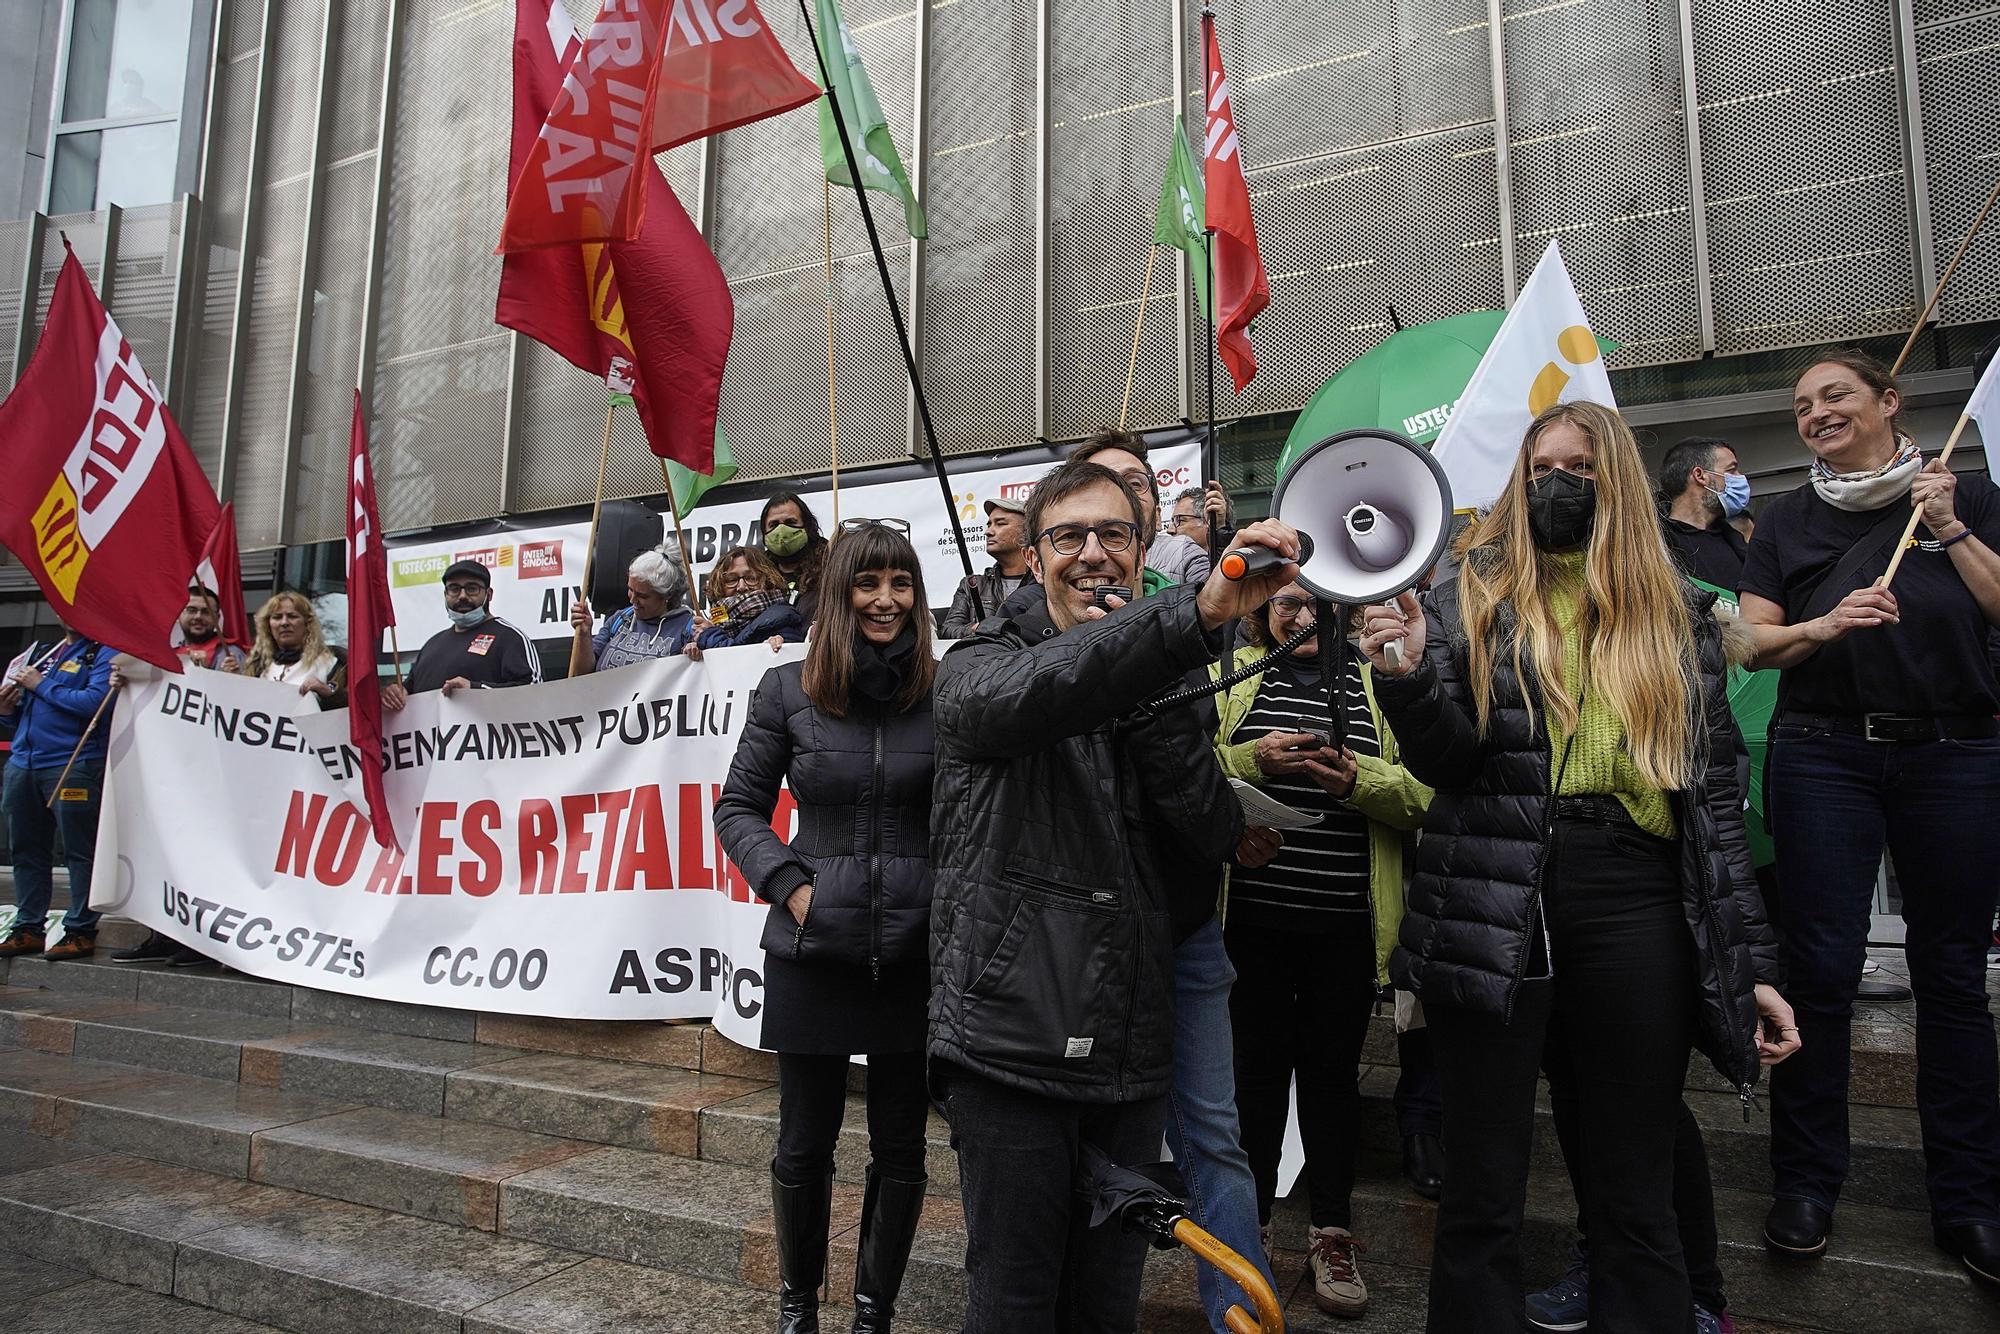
point(1051, 995)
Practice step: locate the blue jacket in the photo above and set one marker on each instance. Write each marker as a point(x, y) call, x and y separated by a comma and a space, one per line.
point(48, 720)
point(780, 618)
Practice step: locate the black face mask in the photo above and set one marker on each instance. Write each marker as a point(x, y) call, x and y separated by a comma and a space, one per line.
point(1562, 509)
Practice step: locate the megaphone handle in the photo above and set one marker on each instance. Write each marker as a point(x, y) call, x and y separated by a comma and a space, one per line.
point(1392, 653)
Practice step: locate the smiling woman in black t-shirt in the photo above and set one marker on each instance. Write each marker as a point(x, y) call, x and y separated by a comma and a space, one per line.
point(1884, 733)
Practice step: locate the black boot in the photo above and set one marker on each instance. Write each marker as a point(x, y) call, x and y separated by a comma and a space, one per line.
point(889, 1213)
point(800, 1216)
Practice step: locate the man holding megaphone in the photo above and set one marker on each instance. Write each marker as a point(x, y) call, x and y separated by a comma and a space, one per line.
point(1074, 842)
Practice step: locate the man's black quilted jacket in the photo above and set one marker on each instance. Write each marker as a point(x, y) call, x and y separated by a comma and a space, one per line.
point(1070, 840)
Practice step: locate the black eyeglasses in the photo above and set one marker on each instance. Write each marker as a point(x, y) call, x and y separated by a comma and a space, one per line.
point(1114, 536)
point(893, 525)
point(1289, 606)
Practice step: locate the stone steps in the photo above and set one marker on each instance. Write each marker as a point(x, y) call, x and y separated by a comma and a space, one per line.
point(680, 1110)
point(643, 1147)
point(708, 1219)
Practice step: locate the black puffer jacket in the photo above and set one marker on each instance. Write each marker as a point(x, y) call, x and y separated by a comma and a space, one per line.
point(863, 787)
point(1474, 898)
point(1074, 840)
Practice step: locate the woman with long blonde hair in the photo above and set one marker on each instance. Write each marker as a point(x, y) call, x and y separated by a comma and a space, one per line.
point(1582, 893)
point(291, 648)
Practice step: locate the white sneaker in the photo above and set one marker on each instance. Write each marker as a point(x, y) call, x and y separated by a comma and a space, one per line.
point(1337, 1286)
point(1870, 966)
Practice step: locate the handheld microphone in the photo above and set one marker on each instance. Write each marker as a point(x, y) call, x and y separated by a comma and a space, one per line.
point(1240, 563)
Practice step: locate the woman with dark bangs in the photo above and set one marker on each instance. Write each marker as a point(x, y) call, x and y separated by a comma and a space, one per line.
point(847, 967)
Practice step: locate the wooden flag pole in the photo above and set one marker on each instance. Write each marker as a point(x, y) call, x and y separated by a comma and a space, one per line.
point(396, 654)
point(1938, 291)
point(680, 536)
point(903, 341)
point(1138, 331)
point(580, 661)
point(832, 419)
point(1916, 512)
point(81, 742)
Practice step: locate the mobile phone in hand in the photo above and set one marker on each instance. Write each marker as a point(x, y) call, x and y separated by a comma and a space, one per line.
point(1320, 740)
point(1103, 591)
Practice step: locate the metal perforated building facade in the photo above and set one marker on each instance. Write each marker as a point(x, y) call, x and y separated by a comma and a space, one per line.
point(1726, 177)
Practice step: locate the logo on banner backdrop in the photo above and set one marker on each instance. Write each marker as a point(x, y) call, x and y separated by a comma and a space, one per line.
point(540, 560)
point(106, 467)
point(410, 571)
point(487, 556)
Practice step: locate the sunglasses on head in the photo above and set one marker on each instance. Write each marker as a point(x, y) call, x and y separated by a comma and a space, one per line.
point(893, 525)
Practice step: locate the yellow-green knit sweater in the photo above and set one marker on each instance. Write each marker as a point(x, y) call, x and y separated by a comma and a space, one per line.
point(1599, 763)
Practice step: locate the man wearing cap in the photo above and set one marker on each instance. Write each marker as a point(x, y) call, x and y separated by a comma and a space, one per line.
point(1006, 531)
point(478, 651)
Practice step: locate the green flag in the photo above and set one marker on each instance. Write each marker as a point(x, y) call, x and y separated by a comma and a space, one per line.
point(881, 165)
point(1183, 213)
point(690, 485)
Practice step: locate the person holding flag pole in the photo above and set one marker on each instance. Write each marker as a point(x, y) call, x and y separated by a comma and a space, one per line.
point(1884, 735)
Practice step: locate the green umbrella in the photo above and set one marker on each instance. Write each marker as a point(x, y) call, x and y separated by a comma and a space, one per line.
point(1408, 382)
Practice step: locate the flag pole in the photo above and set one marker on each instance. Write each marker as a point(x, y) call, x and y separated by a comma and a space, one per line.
point(680, 535)
point(81, 742)
point(832, 419)
point(1917, 514)
point(396, 654)
point(895, 307)
point(1938, 291)
point(1210, 455)
point(1138, 331)
point(579, 650)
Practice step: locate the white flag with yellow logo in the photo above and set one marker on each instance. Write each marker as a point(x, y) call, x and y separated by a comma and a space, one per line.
point(1544, 354)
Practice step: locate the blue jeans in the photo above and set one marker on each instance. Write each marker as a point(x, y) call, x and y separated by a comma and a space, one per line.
point(1202, 1130)
point(31, 828)
point(1835, 800)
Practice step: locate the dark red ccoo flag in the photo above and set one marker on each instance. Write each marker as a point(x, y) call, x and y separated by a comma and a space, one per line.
point(104, 501)
point(369, 613)
point(221, 573)
point(1241, 291)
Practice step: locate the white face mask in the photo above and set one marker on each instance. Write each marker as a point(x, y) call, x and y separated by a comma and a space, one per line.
point(465, 620)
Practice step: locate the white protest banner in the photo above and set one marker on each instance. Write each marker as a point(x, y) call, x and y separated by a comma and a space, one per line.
point(1544, 354)
point(537, 571)
point(562, 858)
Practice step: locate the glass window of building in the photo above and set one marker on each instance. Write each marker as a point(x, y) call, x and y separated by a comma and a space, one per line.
point(124, 86)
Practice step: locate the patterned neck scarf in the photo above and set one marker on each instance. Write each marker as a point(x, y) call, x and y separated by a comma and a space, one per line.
point(1858, 492)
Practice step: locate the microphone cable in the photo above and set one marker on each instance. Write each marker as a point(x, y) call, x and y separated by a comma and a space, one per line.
point(1154, 707)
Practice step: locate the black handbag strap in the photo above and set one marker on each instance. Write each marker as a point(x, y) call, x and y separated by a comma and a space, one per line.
point(1833, 586)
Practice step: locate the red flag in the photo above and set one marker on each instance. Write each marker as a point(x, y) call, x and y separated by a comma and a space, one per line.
point(1241, 292)
point(653, 315)
point(369, 612)
point(220, 571)
point(104, 502)
point(647, 77)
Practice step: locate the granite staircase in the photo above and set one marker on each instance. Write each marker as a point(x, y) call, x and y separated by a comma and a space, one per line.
point(196, 1149)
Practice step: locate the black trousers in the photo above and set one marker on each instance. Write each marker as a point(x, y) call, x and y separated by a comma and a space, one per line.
point(1300, 1010)
point(1419, 1101)
point(1694, 1192)
point(812, 1102)
point(1614, 1019)
point(1033, 1263)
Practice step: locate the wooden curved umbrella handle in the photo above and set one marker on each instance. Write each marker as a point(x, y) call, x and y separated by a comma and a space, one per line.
point(1270, 1318)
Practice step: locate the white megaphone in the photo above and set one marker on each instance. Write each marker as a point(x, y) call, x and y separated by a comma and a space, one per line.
point(1379, 507)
